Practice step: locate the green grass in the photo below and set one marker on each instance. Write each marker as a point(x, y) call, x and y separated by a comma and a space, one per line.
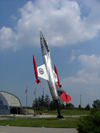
point(75, 112)
point(69, 122)
point(4, 116)
point(66, 112)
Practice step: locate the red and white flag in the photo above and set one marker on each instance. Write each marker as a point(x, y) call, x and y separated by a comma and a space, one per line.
point(26, 91)
point(34, 91)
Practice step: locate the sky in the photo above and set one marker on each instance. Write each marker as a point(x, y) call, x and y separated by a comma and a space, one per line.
point(72, 29)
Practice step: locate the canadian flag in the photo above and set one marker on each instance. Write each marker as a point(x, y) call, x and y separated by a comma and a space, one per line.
point(34, 91)
point(26, 91)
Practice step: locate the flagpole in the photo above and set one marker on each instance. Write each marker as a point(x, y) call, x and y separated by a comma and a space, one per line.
point(26, 100)
point(26, 103)
point(35, 101)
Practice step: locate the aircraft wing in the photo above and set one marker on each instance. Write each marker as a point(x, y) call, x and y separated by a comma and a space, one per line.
point(42, 72)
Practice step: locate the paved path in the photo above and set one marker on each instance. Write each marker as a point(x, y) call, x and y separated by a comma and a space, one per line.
point(10, 129)
point(38, 116)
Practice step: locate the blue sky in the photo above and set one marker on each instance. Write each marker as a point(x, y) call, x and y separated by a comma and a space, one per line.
point(72, 29)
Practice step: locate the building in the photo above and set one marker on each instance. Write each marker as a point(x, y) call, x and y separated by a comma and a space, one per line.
point(4, 107)
point(13, 102)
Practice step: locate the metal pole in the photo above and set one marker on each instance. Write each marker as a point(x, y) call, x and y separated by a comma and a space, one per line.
point(80, 100)
point(26, 102)
point(35, 99)
point(58, 109)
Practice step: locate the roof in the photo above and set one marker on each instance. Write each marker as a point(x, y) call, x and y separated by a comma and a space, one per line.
point(4, 107)
point(12, 100)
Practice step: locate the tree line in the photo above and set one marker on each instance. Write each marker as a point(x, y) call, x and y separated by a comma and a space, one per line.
point(44, 102)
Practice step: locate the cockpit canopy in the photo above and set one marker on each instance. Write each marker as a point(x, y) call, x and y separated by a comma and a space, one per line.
point(46, 45)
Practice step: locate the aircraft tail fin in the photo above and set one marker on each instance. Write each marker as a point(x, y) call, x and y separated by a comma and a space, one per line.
point(65, 97)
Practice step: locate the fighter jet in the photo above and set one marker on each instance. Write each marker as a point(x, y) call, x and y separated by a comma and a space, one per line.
point(46, 72)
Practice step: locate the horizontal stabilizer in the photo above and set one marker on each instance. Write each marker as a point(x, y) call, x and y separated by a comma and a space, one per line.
point(65, 97)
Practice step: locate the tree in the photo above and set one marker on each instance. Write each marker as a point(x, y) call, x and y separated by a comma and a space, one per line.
point(47, 101)
point(79, 106)
point(35, 103)
point(69, 105)
point(96, 104)
point(87, 107)
point(61, 106)
point(53, 105)
point(41, 102)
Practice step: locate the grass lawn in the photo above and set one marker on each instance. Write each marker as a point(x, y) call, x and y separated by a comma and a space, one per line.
point(69, 122)
point(66, 112)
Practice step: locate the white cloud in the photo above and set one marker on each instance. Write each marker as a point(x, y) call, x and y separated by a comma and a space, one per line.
point(91, 65)
point(7, 38)
point(60, 21)
point(90, 72)
point(72, 80)
point(73, 55)
point(90, 62)
point(72, 58)
point(91, 78)
point(13, 17)
point(93, 92)
point(88, 77)
point(83, 78)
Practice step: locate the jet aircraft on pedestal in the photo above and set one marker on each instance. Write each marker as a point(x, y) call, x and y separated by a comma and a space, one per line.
point(46, 72)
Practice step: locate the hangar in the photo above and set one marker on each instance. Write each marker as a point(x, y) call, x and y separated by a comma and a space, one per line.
point(13, 102)
point(4, 107)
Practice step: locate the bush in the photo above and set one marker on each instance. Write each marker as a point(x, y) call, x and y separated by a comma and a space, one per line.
point(90, 123)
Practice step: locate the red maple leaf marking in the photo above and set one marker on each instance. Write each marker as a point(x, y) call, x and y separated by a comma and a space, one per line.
point(41, 71)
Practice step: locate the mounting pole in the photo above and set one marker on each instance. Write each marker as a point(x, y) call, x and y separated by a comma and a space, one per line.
point(58, 109)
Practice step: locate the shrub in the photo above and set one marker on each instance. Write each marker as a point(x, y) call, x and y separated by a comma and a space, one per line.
point(90, 123)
